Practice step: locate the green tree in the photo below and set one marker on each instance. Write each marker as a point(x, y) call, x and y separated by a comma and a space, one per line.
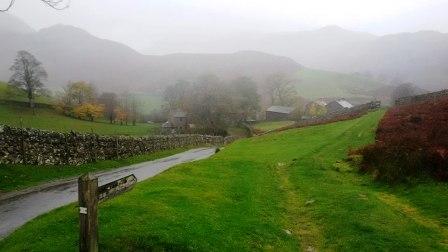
point(74, 95)
point(80, 92)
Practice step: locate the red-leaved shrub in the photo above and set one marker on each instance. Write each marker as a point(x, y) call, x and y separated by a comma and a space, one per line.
point(411, 140)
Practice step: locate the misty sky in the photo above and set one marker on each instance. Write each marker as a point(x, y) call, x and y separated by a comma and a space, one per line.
point(142, 24)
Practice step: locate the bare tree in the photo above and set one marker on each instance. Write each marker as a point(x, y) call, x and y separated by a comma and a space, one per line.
point(281, 90)
point(405, 90)
point(176, 96)
point(55, 4)
point(28, 75)
point(133, 110)
point(110, 102)
point(245, 97)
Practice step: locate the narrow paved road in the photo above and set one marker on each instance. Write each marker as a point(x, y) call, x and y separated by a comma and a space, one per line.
point(16, 211)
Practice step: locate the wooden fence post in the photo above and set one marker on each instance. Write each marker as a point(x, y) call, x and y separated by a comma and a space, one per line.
point(88, 213)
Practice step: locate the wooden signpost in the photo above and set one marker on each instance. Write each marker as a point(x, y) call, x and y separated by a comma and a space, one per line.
point(89, 194)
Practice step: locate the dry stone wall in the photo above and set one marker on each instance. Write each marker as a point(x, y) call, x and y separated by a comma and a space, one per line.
point(422, 98)
point(40, 147)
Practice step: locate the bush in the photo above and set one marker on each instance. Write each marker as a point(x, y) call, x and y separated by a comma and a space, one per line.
point(411, 141)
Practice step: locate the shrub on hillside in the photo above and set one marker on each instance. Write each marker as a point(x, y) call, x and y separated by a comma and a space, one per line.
point(411, 141)
point(89, 111)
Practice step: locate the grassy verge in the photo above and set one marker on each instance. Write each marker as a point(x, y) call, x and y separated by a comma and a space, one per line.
point(48, 119)
point(285, 191)
point(16, 177)
point(265, 126)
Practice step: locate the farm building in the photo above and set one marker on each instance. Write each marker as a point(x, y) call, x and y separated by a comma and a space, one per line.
point(338, 106)
point(316, 108)
point(178, 120)
point(277, 113)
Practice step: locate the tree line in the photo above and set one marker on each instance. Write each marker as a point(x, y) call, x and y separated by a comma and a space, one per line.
point(78, 99)
point(214, 103)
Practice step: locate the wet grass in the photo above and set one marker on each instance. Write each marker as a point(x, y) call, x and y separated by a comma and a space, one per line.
point(265, 126)
point(279, 192)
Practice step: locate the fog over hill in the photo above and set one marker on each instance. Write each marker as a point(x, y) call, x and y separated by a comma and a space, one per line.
point(420, 57)
point(10, 23)
point(69, 53)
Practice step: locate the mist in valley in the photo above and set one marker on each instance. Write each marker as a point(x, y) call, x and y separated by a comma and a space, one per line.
point(325, 50)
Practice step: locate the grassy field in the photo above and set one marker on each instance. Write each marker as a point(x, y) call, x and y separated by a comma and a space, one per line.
point(315, 84)
point(265, 126)
point(50, 120)
point(286, 191)
point(147, 102)
point(16, 95)
point(16, 177)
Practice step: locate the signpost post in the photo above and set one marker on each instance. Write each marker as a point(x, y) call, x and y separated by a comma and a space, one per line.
point(89, 194)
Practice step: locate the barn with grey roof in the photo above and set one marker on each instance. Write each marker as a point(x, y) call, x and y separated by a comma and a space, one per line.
point(277, 113)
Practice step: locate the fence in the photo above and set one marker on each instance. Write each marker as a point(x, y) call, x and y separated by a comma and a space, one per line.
point(420, 98)
point(33, 146)
point(342, 115)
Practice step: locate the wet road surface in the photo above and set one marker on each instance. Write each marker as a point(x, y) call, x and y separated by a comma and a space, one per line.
point(16, 211)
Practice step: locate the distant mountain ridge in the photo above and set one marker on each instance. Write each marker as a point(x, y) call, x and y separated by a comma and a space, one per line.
point(419, 57)
point(12, 24)
point(69, 53)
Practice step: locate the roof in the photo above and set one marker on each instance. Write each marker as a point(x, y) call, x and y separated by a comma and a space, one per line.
point(280, 109)
point(179, 114)
point(344, 103)
point(321, 103)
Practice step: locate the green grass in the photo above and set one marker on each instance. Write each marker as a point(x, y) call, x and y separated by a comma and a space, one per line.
point(17, 95)
point(247, 195)
point(147, 102)
point(48, 119)
point(315, 84)
point(237, 132)
point(268, 125)
point(16, 177)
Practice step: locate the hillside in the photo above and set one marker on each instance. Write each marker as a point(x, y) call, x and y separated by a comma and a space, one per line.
point(114, 66)
point(419, 57)
point(17, 95)
point(69, 53)
point(48, 119)
point(286, 191)
point(12, 24)
point(313, 84)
